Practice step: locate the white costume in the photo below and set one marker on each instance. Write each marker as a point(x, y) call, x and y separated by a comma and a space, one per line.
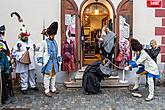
point(149, 66)
point(27, 72)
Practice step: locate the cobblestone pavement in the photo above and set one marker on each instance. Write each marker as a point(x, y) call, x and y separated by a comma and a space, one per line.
point(74, 99)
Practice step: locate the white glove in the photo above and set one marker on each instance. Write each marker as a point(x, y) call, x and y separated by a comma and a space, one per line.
point(139, 67)
point(39, 64)
point(127, 68)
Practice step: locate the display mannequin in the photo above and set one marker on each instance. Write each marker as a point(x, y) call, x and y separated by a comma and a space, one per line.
point(71, 27)
point(68, 52)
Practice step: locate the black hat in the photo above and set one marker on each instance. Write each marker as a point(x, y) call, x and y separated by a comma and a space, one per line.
point(2, 29)
point(52, 29)
point(136, 45)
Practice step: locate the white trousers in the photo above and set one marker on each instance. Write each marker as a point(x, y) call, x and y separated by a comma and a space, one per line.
point(150, 82)
point(49, 83)
point(28, 76)
point(151, 87)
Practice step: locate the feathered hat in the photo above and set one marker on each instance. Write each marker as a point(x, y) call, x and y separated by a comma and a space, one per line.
point(52, 29)
point(2, 29)
point(22, 29)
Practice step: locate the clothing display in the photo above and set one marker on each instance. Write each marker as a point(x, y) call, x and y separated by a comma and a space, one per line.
point(68, 54)
point(125, 52)
point(71, 28)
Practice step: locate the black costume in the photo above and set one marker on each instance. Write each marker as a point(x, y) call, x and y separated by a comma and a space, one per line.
point(93, 75)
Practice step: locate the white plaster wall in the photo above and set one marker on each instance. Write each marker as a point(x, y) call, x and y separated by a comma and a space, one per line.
point(33, 13)
point(144, 23)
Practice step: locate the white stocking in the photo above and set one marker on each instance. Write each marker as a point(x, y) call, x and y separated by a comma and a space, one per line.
point(136, 82)
point(46, 83)
point(151, 87)
point(52, 83)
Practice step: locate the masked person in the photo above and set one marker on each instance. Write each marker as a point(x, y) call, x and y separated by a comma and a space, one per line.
point(49, 49)
point(25, 58)
point(146, 66)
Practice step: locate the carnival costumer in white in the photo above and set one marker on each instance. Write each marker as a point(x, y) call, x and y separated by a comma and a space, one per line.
point(24, 44)
point(145, 65)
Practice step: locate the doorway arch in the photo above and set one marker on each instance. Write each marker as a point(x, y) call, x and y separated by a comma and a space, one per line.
point(110, 4)
point(84, 4)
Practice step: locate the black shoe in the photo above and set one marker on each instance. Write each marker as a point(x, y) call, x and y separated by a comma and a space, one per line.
point(56, 92)
point(35, 89)
point(146, 85)
point(134, 89)
point(24, 91)
point(157, 84)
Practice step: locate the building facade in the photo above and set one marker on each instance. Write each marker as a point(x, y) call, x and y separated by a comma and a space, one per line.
point(145, 23)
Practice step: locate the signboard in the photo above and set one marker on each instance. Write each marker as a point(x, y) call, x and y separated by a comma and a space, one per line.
point(154, 3)
point(124, 28)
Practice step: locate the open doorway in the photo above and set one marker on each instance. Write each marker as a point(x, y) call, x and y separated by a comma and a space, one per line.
point(94, 17)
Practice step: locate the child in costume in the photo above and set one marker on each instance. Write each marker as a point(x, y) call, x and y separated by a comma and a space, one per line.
point(146, 66)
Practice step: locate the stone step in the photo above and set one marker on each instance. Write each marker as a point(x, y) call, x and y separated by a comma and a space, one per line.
point(82, 69)
point(103, 85)
point(79, 77)
point(80, 73)
point(102, 82)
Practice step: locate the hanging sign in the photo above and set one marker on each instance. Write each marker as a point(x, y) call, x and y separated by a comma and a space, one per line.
point(154, 3)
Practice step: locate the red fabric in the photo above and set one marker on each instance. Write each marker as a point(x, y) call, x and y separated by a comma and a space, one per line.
point(68, 63)
point(24, 34)
point(119, 57)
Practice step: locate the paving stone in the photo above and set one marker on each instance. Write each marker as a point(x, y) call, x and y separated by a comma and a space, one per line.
point(74, 99)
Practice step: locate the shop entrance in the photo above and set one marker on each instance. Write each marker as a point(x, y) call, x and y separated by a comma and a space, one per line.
point(94, 16)
point(86, 25)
